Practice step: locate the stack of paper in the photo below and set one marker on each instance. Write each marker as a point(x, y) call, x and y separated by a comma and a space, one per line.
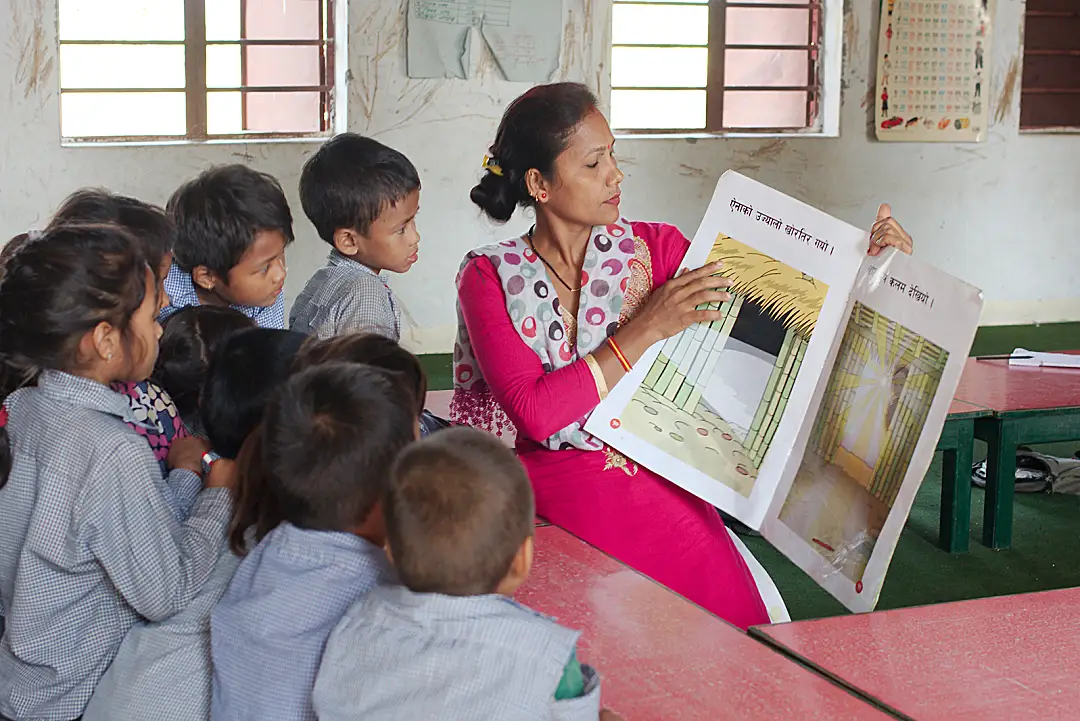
point(1021, 357)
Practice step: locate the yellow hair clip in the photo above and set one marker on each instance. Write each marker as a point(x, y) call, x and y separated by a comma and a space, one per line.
point(492, 166)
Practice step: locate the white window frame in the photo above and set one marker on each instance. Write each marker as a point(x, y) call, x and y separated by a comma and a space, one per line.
point(831, 66)
point(340, 99)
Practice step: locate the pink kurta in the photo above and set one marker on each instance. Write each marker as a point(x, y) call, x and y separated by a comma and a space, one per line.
point(625, 510)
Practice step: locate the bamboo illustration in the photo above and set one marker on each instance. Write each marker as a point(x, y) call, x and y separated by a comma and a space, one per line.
point(870, 335)
point(687, 362)
point(709, 355)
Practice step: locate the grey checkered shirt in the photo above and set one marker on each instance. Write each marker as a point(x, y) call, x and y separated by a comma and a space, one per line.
point(162, 670)
point(345, 296)
point(404, 656)
point(89, 543)
point(268, 632)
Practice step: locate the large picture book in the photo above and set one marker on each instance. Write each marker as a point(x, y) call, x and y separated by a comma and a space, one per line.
point(812, 409)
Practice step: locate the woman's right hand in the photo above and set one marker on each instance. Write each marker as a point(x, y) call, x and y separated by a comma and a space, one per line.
point(673, 307)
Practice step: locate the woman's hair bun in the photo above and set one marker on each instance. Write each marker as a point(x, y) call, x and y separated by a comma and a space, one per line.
point(496, 196)
point(534, 131)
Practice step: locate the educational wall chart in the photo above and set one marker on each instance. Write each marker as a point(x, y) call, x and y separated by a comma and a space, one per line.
point(811, 410)
point(524, 36)
point(933, 74)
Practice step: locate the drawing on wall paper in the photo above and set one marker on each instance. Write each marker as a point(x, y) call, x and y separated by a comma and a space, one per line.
point(714, 396)
point(873, 411)
point(524, 37)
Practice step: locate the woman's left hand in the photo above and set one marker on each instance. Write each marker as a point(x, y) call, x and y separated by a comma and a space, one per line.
point(886, 231)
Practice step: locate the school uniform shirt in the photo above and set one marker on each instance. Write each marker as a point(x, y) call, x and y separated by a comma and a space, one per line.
point(181, 290)
point(268, 632)
point(401, 656)
point(345, 296)
point(162, 670)
point(89, 543)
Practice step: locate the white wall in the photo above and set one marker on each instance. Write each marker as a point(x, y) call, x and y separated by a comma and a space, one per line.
point(961, 202)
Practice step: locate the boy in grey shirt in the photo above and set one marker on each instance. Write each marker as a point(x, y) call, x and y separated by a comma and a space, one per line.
point(450, 643)
point(362, 197)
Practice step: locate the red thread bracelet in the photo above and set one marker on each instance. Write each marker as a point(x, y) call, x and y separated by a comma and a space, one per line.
point(619, 354)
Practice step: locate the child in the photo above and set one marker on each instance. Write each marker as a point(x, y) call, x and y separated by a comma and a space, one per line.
point(449, 643)
point(362, 197)
point(328, 440)
point(190, 339)
point(380, 352)
point(232, 226)
point(162, 670)
point(89, 542)
point(155, 416)
point(148, 223)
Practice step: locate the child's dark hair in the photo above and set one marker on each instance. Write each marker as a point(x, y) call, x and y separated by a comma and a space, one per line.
point(189, 341)
point(148, 223)
point(534, 131)
point(328, 440)
point(350, 180)
point(218, 214)
point(57, 288)
point(458, 509)
point(371, 349)
point(11, 248)
point(243, 375)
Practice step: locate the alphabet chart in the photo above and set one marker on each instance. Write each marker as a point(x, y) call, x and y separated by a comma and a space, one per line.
point(933, 70)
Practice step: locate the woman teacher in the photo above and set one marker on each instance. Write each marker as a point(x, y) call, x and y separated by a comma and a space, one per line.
point(549, 321)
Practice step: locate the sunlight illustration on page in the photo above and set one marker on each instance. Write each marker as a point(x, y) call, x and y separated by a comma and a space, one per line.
point(714, 396)
point(874, 409)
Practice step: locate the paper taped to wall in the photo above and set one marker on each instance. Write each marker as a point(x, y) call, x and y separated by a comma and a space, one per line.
point(524, 37)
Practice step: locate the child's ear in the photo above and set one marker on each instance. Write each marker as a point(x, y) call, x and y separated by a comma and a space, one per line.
point(389, 553)
point(524, 558)
point(203, 277)
point(99, 344)
point(346, 241)
point(519, 569)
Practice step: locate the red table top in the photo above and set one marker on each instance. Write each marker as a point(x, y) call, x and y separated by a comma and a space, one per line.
point(662, 657)
point(1001, 388)
point(1012, 657)
point(963, 408)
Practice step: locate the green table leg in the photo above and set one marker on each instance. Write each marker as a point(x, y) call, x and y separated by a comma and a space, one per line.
point(1002, 438)
point(957, 439)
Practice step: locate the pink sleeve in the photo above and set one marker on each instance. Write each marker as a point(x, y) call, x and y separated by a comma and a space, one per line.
point(540, 404)
point(667, 246)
